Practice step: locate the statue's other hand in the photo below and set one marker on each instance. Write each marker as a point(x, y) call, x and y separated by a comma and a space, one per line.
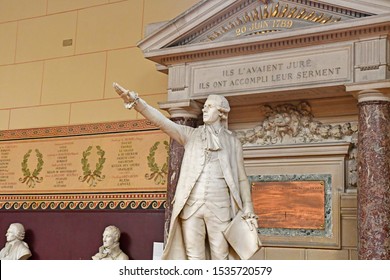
point(126, 95)
point(251, 220)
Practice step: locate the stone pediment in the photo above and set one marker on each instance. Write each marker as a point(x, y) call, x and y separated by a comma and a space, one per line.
point(263, 17)
point(215, 24)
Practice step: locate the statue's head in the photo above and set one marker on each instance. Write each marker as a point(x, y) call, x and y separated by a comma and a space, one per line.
point(111, 236)
point(15, 231)
point(216, 108)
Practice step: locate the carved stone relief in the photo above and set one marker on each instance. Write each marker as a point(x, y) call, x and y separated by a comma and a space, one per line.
point(295, 124)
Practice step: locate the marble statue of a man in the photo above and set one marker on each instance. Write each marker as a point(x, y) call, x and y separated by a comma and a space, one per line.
point(212, 186)
point(15, 248)
point(110, 249)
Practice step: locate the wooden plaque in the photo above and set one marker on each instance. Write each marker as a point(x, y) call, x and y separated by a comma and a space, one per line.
point(291, 205)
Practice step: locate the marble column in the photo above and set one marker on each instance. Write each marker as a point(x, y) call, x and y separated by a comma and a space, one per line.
point(184, 116)
point(374, 175)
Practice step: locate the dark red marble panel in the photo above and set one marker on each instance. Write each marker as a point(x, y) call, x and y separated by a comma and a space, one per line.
point(176, 152)
point(374, 180)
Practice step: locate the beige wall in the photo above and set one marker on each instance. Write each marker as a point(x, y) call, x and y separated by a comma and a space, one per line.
point(46, 83)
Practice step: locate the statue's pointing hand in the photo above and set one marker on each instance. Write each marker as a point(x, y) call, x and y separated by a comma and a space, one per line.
point(129, 97)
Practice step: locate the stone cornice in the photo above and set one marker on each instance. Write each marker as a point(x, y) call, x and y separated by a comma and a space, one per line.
point(298, 150)
point(182, 109)
point(370, 6)
point(183, 23)
point(338, 32)
point(207, 14)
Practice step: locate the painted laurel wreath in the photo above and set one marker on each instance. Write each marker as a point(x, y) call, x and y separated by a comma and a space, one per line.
point(31, 178)
point(89, 176)
point(158, 174)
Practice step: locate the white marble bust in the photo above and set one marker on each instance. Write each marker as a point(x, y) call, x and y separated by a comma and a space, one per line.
point(110, 249)
point(15, 248)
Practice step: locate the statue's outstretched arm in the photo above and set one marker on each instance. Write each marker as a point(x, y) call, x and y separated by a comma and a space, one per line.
point(178, 132)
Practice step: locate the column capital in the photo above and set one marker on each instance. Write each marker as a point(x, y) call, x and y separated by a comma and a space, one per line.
point(182, 108)
point(370, 91)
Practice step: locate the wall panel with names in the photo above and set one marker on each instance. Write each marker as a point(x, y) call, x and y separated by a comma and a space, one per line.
point(125, 169)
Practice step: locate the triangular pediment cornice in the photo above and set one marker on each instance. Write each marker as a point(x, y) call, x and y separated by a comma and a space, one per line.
point(215, 28)
point(256, 18)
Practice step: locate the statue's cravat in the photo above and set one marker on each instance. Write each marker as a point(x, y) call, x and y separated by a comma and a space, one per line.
point(212, 140)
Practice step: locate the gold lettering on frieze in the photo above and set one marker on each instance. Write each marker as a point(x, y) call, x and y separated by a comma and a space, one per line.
point(265, 19)
point(264, 24)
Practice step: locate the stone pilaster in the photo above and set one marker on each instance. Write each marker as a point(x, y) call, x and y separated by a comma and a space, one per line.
point(185, 115)
point(374, 174)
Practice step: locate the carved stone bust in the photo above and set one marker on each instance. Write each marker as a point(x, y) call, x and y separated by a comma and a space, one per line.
point(15, 248)
point(110, 249)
